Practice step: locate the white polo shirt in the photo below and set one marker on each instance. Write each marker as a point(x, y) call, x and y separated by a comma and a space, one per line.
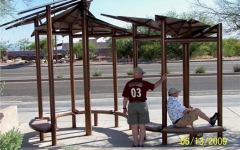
point(175, 108)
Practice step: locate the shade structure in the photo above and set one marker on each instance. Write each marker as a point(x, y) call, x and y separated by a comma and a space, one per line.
point(172, 30)
point(73, 18)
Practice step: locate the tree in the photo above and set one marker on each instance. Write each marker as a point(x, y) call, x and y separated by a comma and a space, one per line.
point(78, 50)
point(225, 11)
point(5, 45)
point(8, 7)
point(150, 51)
point(24, 44)
point(231, 47)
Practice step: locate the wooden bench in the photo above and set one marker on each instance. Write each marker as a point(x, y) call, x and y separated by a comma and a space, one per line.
point(151, 126)
point(192, 131)
point(154, 127)
point(196, 129)
point(120, 113)
point(96, 112)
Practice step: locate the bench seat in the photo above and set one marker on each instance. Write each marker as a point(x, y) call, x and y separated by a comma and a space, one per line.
point(154, 127)
point(151, 126)
point(196, 129)
point(120, 113)
point(41, 125)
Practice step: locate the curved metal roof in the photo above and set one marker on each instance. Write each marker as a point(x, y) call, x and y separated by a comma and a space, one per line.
point(67, 18)
point(175, 28)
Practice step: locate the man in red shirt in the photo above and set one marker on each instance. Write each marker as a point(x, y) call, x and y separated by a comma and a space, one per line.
point(135, 91)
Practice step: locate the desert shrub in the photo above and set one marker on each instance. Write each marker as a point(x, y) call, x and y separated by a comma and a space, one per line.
point(236, 68)
point(97, 73)
point(2, 85)
point(11, 140)
point(130, 72)
point(200, 69)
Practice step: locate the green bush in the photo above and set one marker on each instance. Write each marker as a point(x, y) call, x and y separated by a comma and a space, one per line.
point(167, 71)
point(59, 76)
point(97, 73)
point(130, 72)
point(11, 140)
point(236, 68)
point(200, 69)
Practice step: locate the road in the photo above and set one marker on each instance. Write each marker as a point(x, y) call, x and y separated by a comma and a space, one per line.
point(29, 72)
point(23, 92)
point(103, 88)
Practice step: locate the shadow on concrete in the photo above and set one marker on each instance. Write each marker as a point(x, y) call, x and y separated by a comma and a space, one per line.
point(113, 138)
point(13, 66)
point(75, 138)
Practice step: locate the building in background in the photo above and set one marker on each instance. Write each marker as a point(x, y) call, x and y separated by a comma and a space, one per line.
point(103, 52)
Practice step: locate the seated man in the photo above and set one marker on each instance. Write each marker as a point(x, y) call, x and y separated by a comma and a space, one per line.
point(182, 116)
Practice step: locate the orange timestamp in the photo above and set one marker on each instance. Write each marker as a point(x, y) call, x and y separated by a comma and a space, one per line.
point(212, 141)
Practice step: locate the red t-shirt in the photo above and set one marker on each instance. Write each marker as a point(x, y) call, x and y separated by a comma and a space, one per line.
point(136, 89)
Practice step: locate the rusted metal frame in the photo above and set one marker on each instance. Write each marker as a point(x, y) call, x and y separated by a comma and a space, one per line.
point(164, 84)
point(188, 29)
point(189, 40)
point(150, 37)
point(122, 36)
point(31, 19)
point(55, 33)
point(93, 35)
point(174, 40)
point(86, 71)
point(186, 56)
point(130, 20)
point(72, 82)
point(39, 77)
point(76, 19)
point(64, 16)
point(189, 33)
point(64, 114)
point(114, 17)
point(186, 74)
point(160, 18)
point(51, 74)
point(91, 27)
point(149, 26)
point(219, 77)
point(149, 29)
point(196, 32)
point(183, 34)
point(107, 25)
point(96, 112)
point(48, 4)
point(174, 23)
point(207, 30)
point(115, 81)
point(134, 21)
point(135, 46)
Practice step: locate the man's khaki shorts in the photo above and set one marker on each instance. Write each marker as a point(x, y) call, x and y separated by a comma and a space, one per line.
point(138, 113)
point(187, 119)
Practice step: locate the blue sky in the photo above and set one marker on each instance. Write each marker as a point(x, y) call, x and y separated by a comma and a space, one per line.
point(133, 8)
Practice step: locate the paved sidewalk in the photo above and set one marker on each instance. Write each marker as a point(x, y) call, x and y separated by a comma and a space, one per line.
point(106, 136)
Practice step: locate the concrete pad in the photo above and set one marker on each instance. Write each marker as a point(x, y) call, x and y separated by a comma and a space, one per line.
point(235, 110)
point(107, 136)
